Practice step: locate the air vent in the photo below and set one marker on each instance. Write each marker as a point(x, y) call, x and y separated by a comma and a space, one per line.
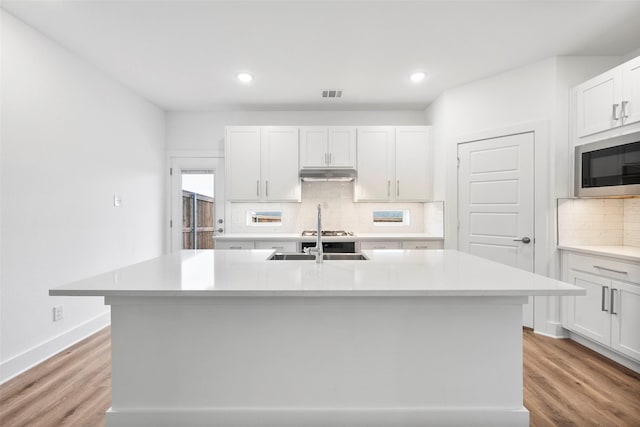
point(332, 93)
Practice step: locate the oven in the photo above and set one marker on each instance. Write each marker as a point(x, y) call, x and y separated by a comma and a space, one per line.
point(331, 247)
point(608, 168)
point(347, 246)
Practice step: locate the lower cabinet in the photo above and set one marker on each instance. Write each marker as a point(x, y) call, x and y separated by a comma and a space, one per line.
point(428, 244)
point(610, 312)
point(257, 244)
point(403, 244)
point(278, 246)
point(235, 244)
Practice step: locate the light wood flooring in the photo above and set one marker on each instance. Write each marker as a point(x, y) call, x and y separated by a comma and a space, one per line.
point(565, 384)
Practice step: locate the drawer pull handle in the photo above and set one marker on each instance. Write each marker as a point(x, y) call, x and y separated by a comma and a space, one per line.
point(604, 292)
point(610, 269)
point(613, 293)
point(235, 247)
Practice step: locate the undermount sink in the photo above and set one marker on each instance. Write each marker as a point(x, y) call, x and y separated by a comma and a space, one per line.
point(295, 256)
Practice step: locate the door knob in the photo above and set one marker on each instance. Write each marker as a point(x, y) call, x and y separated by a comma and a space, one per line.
point(524, 240)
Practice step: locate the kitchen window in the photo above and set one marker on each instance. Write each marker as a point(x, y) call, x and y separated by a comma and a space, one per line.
point(264, 217)
point(391, 217)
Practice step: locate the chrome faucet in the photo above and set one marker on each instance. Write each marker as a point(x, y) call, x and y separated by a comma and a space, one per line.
point(318, 249)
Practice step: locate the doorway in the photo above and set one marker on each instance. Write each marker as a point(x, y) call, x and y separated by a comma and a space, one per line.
point(496, 195)
point(197, 202)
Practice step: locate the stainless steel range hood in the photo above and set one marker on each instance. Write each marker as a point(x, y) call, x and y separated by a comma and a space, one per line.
point(325, 174)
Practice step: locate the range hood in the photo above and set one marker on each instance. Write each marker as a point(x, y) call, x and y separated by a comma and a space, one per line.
point(326, 174)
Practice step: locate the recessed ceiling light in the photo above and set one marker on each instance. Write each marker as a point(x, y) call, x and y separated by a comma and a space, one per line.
point(417, 77)
point(245, 77)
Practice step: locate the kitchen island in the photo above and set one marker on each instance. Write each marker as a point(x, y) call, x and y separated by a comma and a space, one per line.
point(229, 338)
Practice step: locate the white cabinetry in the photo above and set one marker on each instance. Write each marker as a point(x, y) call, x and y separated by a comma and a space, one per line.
point(375, 165)
point(418, 244)
point(413, 174)
point(234, 244)
point(262, 164)
point(609, 100)
point(279, 246)
point(393, 164)
point(401, 244)
point(610, 312)
point(322, 147)
point(370, 244)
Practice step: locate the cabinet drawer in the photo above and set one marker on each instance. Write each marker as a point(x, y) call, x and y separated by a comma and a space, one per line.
point(618, 270)
point(237, 244)
point(379, 245)
point(419, 244)
point(278, 246)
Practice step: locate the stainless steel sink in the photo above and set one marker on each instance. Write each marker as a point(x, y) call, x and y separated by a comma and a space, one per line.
point(294, 256)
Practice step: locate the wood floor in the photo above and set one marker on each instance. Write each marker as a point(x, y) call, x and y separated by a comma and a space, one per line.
point(565, 384)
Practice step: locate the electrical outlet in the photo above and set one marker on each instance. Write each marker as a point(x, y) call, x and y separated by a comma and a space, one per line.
point(117, 200)
point(57, 313)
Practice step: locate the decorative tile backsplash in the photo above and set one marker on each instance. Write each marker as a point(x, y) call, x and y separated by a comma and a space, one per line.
point(606, 222)
point(631, 224)
point(339, 212)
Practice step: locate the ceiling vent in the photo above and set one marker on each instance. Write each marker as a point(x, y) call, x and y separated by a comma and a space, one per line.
point(332, 93)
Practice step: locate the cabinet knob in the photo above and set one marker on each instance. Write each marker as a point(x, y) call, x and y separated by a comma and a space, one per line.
point(220, 230)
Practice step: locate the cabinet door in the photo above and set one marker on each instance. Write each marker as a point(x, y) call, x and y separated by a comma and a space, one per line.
point(625, 318)
point(596, 100)
point(428, 244)
point(234, 244)
point(413, 176)
point(280, 175)
point(342, 147)
point(379, 245)
point(589, 315)
point(278, 246)
point(313, 147)
point(242, 163)
point(631, 91)
point(375, 169)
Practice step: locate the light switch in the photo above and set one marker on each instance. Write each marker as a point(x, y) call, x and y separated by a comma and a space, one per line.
point(117, 200)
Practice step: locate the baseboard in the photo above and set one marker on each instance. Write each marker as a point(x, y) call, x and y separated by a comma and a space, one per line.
point(554, 330)
point(622, 360)
point(329, 417)
point(35, 355)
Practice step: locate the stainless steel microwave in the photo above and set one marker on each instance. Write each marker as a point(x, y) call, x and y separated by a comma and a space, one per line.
point(608, 168)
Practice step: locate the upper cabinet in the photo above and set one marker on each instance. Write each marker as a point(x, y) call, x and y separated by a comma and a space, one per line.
point(262, 163)
point(393, 164)
point(322, 147)
point(609, 100)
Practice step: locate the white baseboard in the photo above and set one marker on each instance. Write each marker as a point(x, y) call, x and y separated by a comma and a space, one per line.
point(634, 366)
point(553, 330)
point(35, 355)
point(329, 417)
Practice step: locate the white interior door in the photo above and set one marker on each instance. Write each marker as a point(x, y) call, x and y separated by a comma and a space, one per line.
point(496, 202)
point(210, 170)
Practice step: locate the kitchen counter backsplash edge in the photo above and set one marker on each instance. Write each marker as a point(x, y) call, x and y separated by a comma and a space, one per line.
point(629, 253)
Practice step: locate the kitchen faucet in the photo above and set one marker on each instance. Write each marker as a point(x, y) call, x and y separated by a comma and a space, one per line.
point(318, 249)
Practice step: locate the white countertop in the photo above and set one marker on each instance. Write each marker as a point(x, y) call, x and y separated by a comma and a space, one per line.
point(630, 253)
point(296, 237)
point(220, 273)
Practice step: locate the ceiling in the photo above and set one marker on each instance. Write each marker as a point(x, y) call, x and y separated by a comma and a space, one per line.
point(185, 55)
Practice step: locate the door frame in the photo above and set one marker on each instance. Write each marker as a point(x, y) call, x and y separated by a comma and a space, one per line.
point(546, 310)
point(175, 164)
point(543, 202)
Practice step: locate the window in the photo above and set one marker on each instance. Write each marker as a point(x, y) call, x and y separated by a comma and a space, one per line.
point(264, 217)
point(391, 218)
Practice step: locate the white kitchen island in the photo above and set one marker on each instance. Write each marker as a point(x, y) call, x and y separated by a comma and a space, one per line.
point(229, 338)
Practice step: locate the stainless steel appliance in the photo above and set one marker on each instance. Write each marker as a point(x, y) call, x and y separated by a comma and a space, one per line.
point(330, 247)
point(608, 168)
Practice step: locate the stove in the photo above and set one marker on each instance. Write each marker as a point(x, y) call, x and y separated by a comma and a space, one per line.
point(333, 233)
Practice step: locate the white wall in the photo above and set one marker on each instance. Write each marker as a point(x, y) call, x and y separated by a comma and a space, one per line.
point(70, 139)
point(205, 131)
point(538, 92)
